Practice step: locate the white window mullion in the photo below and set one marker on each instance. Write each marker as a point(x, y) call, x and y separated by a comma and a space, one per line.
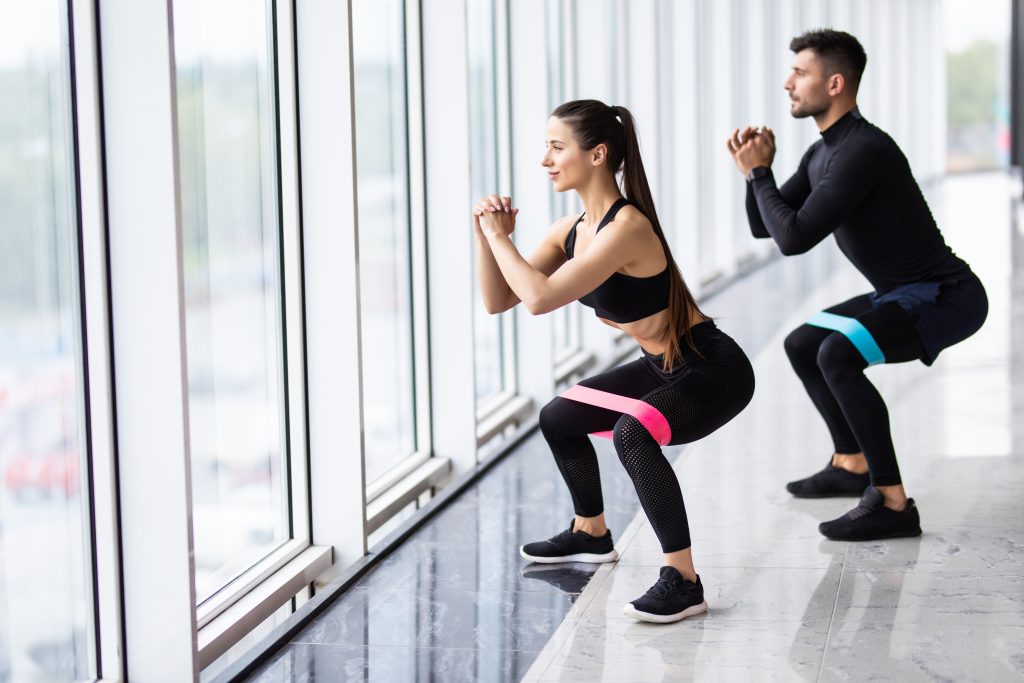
point(504, 138)
point(449, 257)
point(331, 273)
point(106, 561)
point(291, 247)
point(533, 76)
point(417, 223)
point(721, 111)
point(686, 137)
point(147, 308)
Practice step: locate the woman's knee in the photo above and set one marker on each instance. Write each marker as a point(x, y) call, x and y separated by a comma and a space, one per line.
point(632, 442)
point(552, 417)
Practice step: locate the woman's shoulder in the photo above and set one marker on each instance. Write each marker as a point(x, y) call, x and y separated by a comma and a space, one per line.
point(559, 230)
point(630, 219)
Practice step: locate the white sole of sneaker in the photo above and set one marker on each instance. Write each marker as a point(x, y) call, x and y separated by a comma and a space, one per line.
point(631, 611)
point(578, 557)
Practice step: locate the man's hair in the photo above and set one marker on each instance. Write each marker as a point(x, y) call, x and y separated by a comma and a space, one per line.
point(838, 51)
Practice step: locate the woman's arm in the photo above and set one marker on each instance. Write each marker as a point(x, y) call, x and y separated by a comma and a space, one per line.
point(497, 295)
point(546, 258)
point(611, 249)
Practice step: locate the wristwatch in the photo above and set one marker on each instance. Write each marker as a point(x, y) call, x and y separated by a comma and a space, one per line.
point(758, 172)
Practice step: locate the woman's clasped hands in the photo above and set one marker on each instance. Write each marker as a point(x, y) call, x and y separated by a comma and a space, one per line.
point(494, 215)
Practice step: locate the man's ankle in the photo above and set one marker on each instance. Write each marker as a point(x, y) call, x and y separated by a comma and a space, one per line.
point(852, 462)
point(894, 497)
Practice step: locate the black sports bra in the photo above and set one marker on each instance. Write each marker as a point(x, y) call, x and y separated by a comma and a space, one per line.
point(623, 298)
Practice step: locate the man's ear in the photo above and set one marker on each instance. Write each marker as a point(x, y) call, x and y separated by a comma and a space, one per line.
point(836, 84)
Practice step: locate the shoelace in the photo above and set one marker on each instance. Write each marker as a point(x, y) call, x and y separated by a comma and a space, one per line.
point(860, 511)
point(662, 589)
point(562, 538)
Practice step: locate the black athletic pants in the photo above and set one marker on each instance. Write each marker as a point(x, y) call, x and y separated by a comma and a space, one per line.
point(832, 369)
point(698, 396)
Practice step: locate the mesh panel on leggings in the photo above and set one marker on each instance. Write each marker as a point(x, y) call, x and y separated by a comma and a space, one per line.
point(582, 475)
point(653, 477)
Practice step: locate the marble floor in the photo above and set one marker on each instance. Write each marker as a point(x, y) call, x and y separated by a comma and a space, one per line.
point(456, 603)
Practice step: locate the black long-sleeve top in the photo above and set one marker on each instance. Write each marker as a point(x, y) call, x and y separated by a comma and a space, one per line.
point(856, 183)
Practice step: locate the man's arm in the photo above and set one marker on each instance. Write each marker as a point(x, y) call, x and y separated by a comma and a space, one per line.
point(755, 148)
point(850, 175)
point(794, 191)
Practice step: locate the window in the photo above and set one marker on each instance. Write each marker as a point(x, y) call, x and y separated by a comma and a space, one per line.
point(45, 585)
point(566, 322)
point(382, 162)
point(977, 38)
point(492, 333)
point(233, 292)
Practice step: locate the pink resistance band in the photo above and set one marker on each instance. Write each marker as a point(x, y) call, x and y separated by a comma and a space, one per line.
point(649, 416)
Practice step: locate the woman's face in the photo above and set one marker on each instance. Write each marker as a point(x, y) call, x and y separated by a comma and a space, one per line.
point(567, 164)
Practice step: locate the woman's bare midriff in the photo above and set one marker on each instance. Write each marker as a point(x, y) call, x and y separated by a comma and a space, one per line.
point(649, 332)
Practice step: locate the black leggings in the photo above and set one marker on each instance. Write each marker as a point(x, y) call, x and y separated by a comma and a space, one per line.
point(832, 370)
point(700, 395)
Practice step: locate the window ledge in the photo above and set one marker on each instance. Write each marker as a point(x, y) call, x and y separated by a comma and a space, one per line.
point(493, 404)
point(576, 363)
point(512, 411)
point(381, 485)
point(405, 491)
point(235, 622)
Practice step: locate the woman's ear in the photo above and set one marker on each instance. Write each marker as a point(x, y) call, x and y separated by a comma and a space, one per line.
point(599, 154)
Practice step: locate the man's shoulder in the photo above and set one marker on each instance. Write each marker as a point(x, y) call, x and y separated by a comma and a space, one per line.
point(871, 136)
point(811, 150)
point(867, 145)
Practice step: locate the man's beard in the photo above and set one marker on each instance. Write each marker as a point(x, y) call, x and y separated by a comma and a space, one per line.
point(802, 111)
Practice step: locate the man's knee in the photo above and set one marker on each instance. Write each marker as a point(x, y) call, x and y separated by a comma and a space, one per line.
point(837, 356)
point(802, 346)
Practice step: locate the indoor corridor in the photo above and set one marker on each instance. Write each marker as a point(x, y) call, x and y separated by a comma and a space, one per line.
point(457, 603)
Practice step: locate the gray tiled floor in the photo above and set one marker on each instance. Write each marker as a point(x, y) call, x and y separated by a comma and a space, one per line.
point(786, 604)
point(456, 603)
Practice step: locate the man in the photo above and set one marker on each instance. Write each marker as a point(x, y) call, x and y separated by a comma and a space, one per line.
point(855, 183)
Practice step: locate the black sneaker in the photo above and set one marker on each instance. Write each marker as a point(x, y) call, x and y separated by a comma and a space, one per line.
point(571, 546)
point(670, 599)
point(871, 521)
point(831, 482)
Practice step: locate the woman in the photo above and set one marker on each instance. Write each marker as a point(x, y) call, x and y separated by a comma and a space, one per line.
point(615, 259)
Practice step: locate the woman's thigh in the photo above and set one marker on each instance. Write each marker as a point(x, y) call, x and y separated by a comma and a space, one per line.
point(706, 397)
point(633, 380)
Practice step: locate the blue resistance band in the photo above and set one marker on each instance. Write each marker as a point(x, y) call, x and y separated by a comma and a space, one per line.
point(852, 330)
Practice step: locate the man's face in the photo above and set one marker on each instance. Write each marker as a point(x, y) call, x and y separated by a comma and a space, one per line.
point(807, 86)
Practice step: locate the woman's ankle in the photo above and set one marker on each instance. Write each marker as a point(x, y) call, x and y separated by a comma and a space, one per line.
point(682, 562)
point(592, 526)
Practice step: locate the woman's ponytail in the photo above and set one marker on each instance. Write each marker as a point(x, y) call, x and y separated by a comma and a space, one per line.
point(593, 123)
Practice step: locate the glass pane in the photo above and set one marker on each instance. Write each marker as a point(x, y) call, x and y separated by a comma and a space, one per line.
point(595, 68)
point(560, 205)
point(706, 151)
point(233, 299)
point(977, 35)
point(45, 592)
point(384, 253)
point(483, 128)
